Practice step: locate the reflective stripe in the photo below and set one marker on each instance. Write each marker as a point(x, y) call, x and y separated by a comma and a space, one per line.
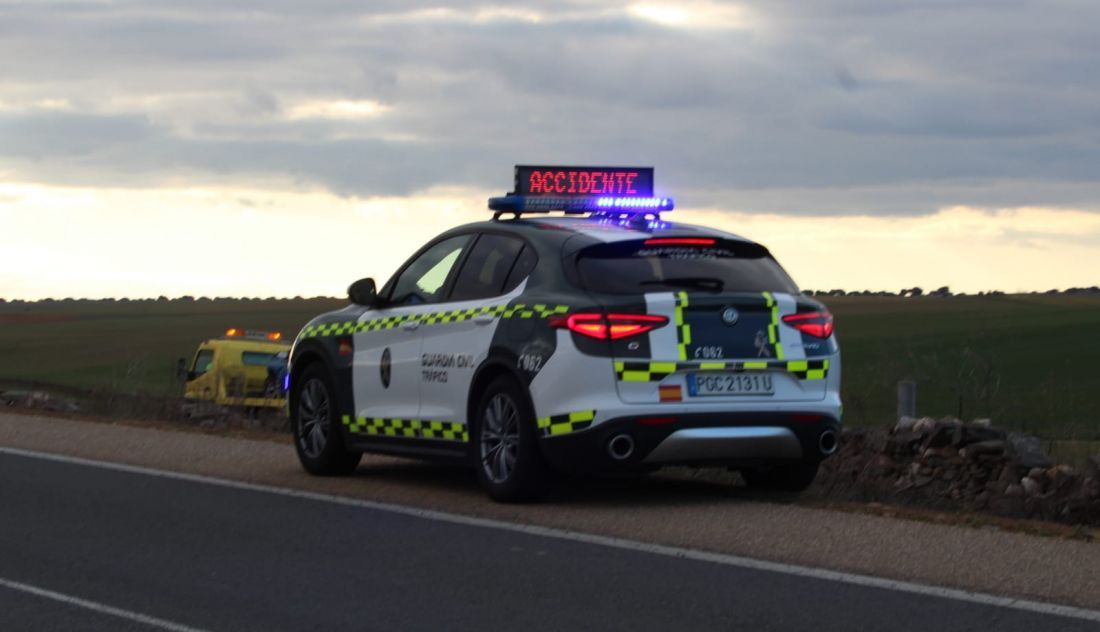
point(773, 326)
point(557, 425)
point(519, 310)
point(408, 428)
point(657, 371)
point(683, 329)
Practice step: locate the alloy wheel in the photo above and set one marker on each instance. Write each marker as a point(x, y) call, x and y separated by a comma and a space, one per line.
point(313, 418)
point(499, 439)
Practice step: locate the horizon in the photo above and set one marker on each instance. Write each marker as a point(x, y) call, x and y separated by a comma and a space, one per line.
point(831, 293)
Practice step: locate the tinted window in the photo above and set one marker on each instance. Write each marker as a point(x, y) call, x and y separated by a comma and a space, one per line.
point(486, 269)
point(256, 358)
point(726, 266)
point(203, 360)
point(423, 280)
point(525, 264)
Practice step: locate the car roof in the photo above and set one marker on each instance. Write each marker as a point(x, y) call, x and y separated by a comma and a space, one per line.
point(598, 230)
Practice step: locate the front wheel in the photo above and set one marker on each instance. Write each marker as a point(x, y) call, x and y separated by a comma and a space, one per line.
point(313, 417)
point(794, 477)
point(509, 464)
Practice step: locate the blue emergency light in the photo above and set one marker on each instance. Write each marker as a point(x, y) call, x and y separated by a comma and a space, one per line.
point(578, 204)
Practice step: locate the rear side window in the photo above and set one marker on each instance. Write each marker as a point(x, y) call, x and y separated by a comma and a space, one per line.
point(525, 265)
point(636, 267)
point(256, 358)
point(487, 268)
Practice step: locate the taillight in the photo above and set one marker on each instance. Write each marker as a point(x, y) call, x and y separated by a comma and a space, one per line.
point(816, 324)
point(609, 326)
point(679, 241)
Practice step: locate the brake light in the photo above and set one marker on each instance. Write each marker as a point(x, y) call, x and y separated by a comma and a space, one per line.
point(816, 324)
point(609, 326)
point(679, 241)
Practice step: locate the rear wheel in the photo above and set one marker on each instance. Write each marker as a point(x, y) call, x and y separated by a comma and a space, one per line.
point(509, 464)
point(795, 477)
point(317, 438)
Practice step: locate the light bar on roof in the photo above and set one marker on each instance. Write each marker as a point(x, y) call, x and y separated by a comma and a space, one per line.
point(587, 204)
point(634, 203)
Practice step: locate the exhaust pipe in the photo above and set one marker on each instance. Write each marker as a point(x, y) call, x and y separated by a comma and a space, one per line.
point(620, 447)
point(827, 442)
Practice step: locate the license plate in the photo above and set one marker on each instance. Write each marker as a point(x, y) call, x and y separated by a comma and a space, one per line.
point(723, 383)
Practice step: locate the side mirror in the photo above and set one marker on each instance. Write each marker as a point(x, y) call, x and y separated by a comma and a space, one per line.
point(181, 369)
point(363, 292)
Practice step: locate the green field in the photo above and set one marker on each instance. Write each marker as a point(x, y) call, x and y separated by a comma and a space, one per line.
point(1027, 361)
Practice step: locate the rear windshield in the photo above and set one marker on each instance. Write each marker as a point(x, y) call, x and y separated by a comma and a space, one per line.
point(724, 266)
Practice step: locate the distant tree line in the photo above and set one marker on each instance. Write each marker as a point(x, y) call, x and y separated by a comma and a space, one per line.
point(942, 292)
point(165, 299)
point(912, 292)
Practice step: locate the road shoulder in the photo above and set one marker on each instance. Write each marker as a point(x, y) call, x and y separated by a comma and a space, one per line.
point(689, 514)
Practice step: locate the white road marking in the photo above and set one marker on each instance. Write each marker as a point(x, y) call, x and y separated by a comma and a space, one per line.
point(94, 606)
point(588, 538)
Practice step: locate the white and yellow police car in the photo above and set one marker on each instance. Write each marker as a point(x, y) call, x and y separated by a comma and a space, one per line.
point(576, 330)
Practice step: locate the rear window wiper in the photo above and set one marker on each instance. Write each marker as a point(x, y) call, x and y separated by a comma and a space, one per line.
point(701, 283)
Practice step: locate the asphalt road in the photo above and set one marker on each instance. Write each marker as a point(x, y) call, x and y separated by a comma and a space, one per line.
point(214, 557)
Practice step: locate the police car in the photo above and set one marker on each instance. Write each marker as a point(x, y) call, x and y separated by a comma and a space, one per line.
point(577, 330)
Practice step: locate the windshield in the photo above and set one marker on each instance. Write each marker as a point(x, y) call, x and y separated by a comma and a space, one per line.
point(721, 266)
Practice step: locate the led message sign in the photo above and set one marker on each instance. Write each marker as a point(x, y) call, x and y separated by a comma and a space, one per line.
point(577, 181)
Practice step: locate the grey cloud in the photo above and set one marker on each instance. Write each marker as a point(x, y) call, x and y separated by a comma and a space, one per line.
point(852, 106)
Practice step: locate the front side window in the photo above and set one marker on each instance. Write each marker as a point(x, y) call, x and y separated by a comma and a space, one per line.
point(424, 279)
point(203, 361)
point(486, 269)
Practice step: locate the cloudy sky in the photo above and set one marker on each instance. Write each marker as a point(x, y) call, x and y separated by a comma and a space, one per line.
point(283, 147)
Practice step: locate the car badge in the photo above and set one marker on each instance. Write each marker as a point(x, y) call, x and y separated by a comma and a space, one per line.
point(730, 316)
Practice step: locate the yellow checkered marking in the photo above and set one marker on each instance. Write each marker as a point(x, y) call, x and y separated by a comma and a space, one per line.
point(407, 428)
point(773, 326)
point(657, 371)
point(519, 310)
point(683, 329)
point(557, 425)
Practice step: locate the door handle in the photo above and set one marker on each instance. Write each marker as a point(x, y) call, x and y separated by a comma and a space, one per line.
point(484, 319)
point(410, 325)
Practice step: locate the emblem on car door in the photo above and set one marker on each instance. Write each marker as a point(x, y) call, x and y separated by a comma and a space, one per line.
point(730, 315)
point(384, 368)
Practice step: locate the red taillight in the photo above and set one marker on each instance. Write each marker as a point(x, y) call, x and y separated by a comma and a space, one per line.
point(816, 324)
point(679, 241)
point(610, 326)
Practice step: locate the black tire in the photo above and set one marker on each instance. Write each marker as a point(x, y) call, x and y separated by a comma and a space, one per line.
point(528, 477)
point(794, 477)
point(314, 419)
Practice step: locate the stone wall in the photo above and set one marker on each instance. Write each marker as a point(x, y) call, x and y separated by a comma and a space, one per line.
point(950, 465)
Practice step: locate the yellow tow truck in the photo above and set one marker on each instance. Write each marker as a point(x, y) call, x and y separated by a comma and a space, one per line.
point(243, 368)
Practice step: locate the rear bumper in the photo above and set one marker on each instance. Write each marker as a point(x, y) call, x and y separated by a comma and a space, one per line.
point(734, 439)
